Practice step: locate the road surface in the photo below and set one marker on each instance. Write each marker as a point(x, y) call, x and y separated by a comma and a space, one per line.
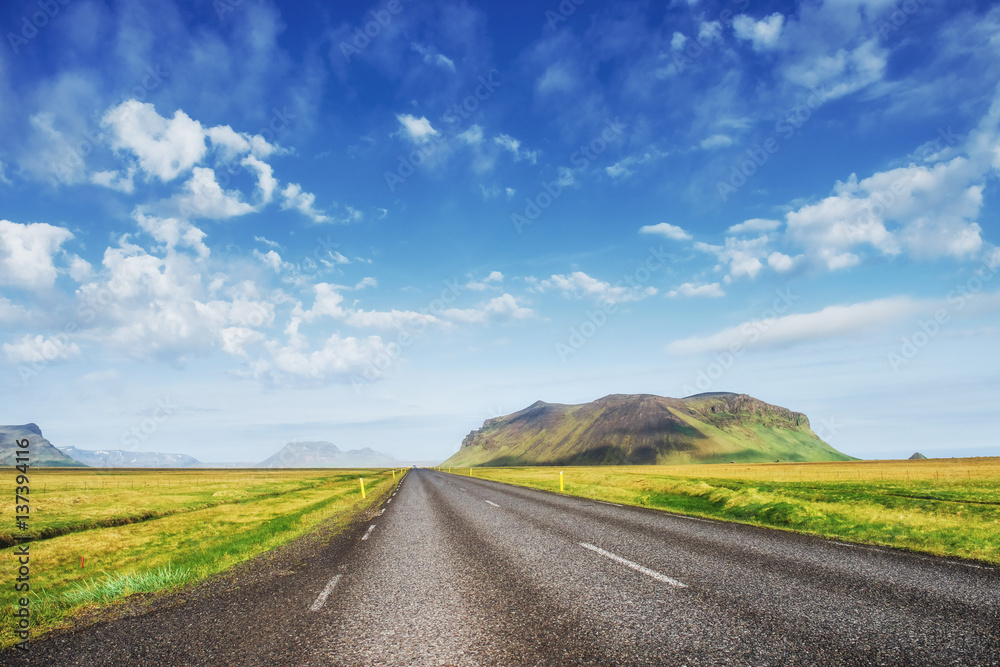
point(461, 571)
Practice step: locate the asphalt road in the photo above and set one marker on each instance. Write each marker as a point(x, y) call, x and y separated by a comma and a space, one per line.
point(460, 571)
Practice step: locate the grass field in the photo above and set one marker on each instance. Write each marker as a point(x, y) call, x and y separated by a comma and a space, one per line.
point(104, 534)
point(946, 507)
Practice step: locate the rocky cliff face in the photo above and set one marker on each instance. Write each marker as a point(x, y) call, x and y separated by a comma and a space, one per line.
point(41, 451)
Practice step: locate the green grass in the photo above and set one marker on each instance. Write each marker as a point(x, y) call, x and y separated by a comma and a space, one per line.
point(946, 507)
point(108, 534)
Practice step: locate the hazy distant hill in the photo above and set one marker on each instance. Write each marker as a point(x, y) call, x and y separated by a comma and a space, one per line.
point(645, 429)
point(326, 455)
point(917, 456)
point(42, 452)
point(117, 458)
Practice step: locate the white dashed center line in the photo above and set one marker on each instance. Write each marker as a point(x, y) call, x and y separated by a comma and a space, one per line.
point(367, 534)
point(321, 600)
point(490, 502)
point(635, 566)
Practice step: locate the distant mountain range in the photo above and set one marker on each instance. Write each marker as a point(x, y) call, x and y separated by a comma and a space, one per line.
point(118, 458)
point(644, 429)
point(292, 455)
point(41, 451)
point(326, 455)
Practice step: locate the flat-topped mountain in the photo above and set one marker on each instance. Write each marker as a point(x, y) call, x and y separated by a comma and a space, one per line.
point(714, 427)
point(326, 455)
point(41, 451)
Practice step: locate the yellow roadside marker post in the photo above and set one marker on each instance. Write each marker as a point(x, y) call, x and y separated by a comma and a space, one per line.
point(560, 481)
point(362, 486)
point(394, 474)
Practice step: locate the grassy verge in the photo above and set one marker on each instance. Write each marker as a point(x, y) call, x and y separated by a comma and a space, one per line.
point(946, 507)
point(115, 533)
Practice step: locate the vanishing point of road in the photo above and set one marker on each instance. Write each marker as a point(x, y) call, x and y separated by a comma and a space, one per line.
point(453, 570)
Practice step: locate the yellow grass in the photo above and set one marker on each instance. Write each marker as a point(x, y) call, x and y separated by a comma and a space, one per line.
point(947, 507)
point(188, 523)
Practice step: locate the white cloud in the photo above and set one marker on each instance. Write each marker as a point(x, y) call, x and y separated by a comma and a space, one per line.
point(203, 197)
point(692, 290)
point(433, 58)
point(764, 34)
point(26, 253)
point(509, 143)
point(267, 241)
point(831, 322)
point(417, 130)
point(40, 349)
point(504, 307)
point(716, 141)
point(495, 278)
point(844, 72)
point(473, 136)
point(677, 41)
point(781, 262)
point(164, 147)
point(709, 31)
point(294, 197)
point(115, 180)
point(928, 211)
point(367, 281)
point(266, 182)
point(579, 285)
point(622, 168)
point(173, 232)
point(672, 232)
point(741, 257)
point(270, 259)
point(754, 226)
point(339, 357)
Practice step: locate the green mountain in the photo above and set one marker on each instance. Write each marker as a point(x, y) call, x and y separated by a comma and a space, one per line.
point(645, 429)
point(41, 451)
point(917, 456)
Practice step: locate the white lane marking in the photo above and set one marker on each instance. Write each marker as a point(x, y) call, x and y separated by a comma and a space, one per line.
point(604, 502)
point(635, 566)
point(321, 600)
point(490, 502)
point(381, 511)
point(367, 534)
point(389, 501)
point(866, 547)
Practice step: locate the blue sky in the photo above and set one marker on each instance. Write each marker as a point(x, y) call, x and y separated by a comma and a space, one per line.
point(225, 226)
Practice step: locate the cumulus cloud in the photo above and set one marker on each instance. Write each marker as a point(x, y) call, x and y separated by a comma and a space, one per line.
point(27, 253)
point(672, 232)
point(928, 211)
point(494, 279)
point(740, 257)
point(304, 202)
point(203, 197)
point(579, 285)
point(164, 147)
point(763, 34)
point(40, 349)
point(173, 232)
point(417, 130)
point(504, 307)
